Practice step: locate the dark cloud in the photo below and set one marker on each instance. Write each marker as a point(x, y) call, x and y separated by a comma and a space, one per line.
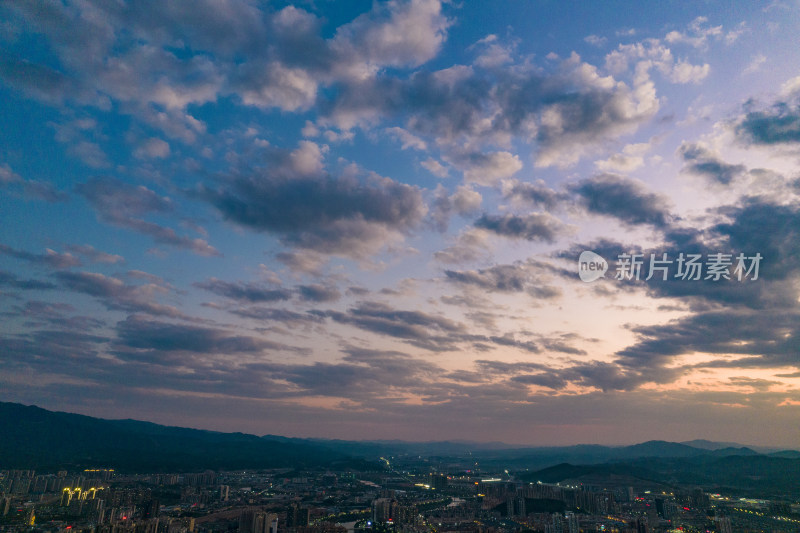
point(30, 188)
point(122, 204)
point(305, 207)
point(534, 227)
point(53, 315)
point(50, 258)
point(116, 294)
point(318, 293)
point(537, 195)
point(502, 278)
point(282, 316)
point(564, 112)
point(141, 334)
point(509, 340)
point(39, 81)
point(703, 162)
point(10, 280)
point(779, 124)
point(365, 374)
point(69, 352)
point(626, 199)
point(518, 277)
point(463, 202)
point(432, 332)
point(247, 292)
point(753, 319)
point(548, 380)
point(95, 256)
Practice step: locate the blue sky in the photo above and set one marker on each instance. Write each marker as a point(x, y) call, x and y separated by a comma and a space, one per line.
point(363, 220)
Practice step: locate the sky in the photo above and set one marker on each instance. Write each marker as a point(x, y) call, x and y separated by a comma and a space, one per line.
point(363, 220)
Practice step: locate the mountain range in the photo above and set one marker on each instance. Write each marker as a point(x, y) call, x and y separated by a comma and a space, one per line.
point(46, 440)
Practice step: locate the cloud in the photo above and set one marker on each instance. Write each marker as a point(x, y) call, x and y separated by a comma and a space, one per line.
point(650, 54)
point(302, 261)
point(338, 215)
point(406, 139)
point(755, 64)
point(435, 167)
point(704, 162)
point(629, 160)
point(626, 199)
point(775, 125)
point(95, 256)
point(30, 188)
point(318, 293)
point(116, 294)
point(537, 195)
point(533, 227)
point(280, 316)
point(54, 315)
point(152, 148)
point(565, 113)
point(595, 40)
point(396, 34)
point(10, 280)
point(685, 72)
point(489, 168)
point(514, 278)
point(747, 324)
point(431, 332)
point(50, 258)
point(697, 35)
point(470, 245)
point(122, 204)
point(464, 202)
point(136, 333)
point(492, 54)
point(244, 292)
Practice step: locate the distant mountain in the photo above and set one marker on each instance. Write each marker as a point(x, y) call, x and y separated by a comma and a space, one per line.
point(657, 448)
point(714, 446)
point(498, 455)
point(36, 438)
point(786, 454)
point(756, 475)
point(710, 445)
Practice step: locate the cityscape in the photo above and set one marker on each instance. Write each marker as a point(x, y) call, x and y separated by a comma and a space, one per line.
point(384, 486)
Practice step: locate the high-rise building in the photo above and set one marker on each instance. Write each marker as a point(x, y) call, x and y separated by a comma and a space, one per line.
point(724, 525)
point(383, 510)
point(297, 516)
point(255, 520)
point(571, 519)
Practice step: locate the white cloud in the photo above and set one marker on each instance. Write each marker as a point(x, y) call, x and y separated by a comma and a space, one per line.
point(697, 35)
point(435, 168)
point(407, 139)
point(595, 40)
point(398, 34)
point(307, 159)
point(755, 64)
point(490, 167)
point(685, 72)
point(631, 158)
point(153, 148)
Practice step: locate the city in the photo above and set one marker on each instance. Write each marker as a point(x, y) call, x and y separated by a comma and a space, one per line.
point(407, 499)
point(126, 476)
